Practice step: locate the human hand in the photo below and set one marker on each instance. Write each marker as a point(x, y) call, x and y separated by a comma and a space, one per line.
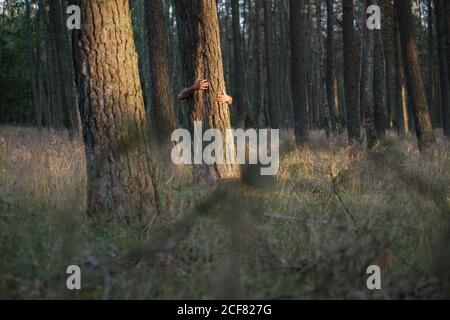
point(200, 85)
point(224, 98)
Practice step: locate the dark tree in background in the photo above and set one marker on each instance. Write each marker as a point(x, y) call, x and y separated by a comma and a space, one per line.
point(413, 74)
point(330, 64)
point(258, 73)
point(34, 64)
point(298, 72)
point(162, 108)
point(351, 72)
point(389, 41)
point(431, 79)
point(55, 71)
point(443, 67)
point(402, 115)
point(447, 31)
point(272, 103)
point(378, 81)
point(63, 80)
point(369, 88)
point(240, 87)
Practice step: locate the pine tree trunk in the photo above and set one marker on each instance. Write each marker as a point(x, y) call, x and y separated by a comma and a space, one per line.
point(239, 104)
point(162, 92)
point(56, 110)
point(379, 104)
point(60, 66)
point(330, 65)
point(447, 32)
point(416, 89)
point(33, 63)
point(319, 71)
point(362, 39)
point(272, 103)
point(258, 74)
point(40, 67)
point(443, 67)
point(309, 61)
point(400, 115)
point(298, 72)
point(43, 52)
point(115, 130)
point(431, 67)
point(368, 96)
point(389, 46)
point(199, 35)
point(351, 73)
point(68, 40)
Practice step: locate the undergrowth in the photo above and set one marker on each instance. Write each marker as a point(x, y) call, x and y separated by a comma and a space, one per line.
point(332, 210)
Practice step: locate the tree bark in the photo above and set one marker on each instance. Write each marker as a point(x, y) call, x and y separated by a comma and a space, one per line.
point(319, 70)
point(389, 46)
point(351, 73)
point(447, 32)
point(362, 39)
point(443, 67)
point(401, 124)
point(239, 97)
point(379, 103)
point(416, 89)
point(199, 37)
point(40, 67)
point(258, 74)
point(298, 72)
point(273, 110)
point(60, 65)
point(330, 65)
point(368, 96)
point(54, 92)
point(119, 168)
point(32, 60)
point(431, 67)
point(163, 115)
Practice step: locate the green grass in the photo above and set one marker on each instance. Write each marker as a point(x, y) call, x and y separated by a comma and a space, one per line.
point(332, 211)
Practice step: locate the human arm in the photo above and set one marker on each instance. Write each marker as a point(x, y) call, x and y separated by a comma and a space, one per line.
point(189, 91)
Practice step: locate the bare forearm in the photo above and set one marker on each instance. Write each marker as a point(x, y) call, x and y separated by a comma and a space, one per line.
point(186, 93)
point(189, 91)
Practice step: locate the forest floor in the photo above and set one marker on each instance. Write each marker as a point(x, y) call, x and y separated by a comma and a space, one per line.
point(332, 211)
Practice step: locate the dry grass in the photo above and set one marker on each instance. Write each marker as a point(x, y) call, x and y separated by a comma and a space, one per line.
point(332, 211)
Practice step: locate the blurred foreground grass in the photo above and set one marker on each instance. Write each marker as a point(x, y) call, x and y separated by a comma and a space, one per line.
point(333, 211)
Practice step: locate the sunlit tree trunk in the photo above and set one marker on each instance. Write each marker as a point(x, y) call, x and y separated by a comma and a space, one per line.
point(201, 55)
point(119, 169)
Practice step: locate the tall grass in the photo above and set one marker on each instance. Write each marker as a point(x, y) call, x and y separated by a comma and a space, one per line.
point(332, 211)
